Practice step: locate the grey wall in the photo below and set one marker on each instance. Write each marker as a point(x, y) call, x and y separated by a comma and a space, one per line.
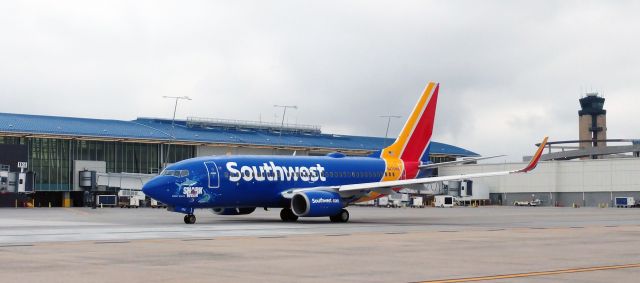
point(563, 199)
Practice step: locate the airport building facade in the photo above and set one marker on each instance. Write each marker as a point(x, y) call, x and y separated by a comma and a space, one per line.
point(591, 182)
point(57, 148)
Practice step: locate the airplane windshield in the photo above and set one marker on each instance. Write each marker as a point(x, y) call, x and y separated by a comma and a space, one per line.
point(175, 173)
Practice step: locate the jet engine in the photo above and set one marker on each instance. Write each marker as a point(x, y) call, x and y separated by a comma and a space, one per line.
point(316, 204)
point(234, 210)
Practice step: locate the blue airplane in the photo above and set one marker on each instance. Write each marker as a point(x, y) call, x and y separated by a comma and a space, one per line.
point(308, 186)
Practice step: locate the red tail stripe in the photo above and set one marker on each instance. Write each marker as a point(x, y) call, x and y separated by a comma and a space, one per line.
point(422, 132)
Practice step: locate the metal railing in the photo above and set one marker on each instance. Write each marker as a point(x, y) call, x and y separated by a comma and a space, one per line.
point(251, 125)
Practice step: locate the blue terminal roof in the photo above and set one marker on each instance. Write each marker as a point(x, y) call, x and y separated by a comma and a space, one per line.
point(153, 129)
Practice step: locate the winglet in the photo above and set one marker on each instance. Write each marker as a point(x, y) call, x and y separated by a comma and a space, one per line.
point(536, 157)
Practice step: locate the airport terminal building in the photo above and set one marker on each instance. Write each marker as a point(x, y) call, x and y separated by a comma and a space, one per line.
point(591, 171)
point(55, 149)
point(593, 182)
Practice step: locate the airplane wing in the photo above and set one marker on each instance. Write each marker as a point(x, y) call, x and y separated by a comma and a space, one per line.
point(400, 183)
point(385, 187)
point(464, 161)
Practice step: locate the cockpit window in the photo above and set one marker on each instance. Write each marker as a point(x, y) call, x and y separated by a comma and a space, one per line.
point(175, 173)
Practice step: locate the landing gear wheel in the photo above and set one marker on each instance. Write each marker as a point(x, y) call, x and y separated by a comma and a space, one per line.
point(286, 214)
point(189, 219)
point(341, 217)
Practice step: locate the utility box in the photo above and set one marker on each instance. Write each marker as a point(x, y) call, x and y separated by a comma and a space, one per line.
point(107, 200)
point(22, 183)
point(4, 181)
point(418, 202)
point(625, 202)
point(444, 201)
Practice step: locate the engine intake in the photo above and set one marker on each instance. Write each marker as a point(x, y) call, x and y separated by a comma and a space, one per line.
point(316, 204)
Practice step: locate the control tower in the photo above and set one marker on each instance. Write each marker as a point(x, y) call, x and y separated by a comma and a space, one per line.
point(593, 121)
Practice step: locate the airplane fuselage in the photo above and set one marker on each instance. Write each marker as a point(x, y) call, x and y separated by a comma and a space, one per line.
point(260, 181)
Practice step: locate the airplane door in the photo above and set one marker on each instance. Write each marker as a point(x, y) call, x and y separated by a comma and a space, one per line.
point(214, 176)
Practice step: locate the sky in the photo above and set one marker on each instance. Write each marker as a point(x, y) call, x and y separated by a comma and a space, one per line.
point(510, 72)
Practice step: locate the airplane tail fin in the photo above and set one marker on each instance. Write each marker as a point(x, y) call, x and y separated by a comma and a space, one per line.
point(415, 137)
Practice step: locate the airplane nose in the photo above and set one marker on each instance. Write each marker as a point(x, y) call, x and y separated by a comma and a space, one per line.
point(153, 188)
point(147, 189)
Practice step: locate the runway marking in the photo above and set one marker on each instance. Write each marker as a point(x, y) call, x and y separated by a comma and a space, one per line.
point(192, 240)
point(112, 242)
point(337, 235)
point(532, 274)
point(13, 246)
point(33, 234)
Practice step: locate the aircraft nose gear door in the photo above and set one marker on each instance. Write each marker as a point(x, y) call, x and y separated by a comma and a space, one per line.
point(214, 176)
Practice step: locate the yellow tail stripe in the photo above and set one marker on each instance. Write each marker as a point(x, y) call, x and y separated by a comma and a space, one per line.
point(396, 148)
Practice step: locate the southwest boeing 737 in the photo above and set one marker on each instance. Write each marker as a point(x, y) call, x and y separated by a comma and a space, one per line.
point(306, 186)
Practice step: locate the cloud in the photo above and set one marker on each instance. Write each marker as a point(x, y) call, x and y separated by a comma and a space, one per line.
point(510, 71)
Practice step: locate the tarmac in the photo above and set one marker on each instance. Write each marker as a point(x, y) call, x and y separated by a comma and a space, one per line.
point(487, 244)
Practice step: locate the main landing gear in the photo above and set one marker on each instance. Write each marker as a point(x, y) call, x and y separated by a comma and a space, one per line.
point(286, 214)
point(189, 219)
point(341, 217)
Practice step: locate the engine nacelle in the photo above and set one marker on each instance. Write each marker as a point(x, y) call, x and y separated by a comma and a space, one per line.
point(234, 210)
point(316, 204)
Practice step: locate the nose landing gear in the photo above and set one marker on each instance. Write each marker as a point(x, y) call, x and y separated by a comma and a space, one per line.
point(189, 219)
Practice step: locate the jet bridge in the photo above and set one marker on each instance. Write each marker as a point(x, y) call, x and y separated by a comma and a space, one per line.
point(127, 185)
point(127, 181)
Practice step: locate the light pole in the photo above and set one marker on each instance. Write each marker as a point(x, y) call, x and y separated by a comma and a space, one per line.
point(386, 134)
point(173, 120)
point(284, 112)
